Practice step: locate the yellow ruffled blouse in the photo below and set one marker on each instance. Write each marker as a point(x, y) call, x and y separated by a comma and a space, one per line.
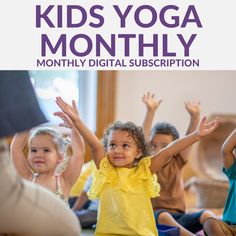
point(124, 199)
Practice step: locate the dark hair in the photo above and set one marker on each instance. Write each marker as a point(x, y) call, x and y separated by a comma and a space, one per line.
point(135, 131)
point(165, 128)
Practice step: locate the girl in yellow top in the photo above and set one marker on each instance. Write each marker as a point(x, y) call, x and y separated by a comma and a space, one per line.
point(125, 180)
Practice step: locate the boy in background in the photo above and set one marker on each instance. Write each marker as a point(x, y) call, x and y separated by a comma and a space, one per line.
point(169, 207)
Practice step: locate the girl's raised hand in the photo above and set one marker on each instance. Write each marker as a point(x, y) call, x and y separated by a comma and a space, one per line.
point(207, 128)
point(66, 119)
point(71, 111)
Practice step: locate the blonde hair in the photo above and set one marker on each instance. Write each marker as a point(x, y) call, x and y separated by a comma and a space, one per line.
point(60, 142)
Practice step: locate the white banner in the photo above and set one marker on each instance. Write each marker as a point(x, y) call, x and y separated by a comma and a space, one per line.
point(118, 35)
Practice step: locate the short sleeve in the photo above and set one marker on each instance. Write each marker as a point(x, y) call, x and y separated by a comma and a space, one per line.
point(179, 160)
point(100, 177)
point(231, 171)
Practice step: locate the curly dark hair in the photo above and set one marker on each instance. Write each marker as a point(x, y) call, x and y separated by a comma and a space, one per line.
point(165, 128)
point(135, 131)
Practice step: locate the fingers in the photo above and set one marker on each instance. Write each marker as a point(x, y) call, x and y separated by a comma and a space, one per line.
point(148, 95)
point(65, 107)
point(213, 123)
point(203, 121)
point(60, 102)
point(208, 128)
point(193, 103)
point(57, 113)
point(211, 126)
point(63, 125)
point(61, 114)
point(150, 98)
point(160, 101)
point(66, 120)
point(192, 106)
point(143, 98)
point(187, 104)
point(74, 105)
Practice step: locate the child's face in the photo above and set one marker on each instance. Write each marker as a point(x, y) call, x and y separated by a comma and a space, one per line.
point(122, 149)
point(43, 156)
point(159, 141)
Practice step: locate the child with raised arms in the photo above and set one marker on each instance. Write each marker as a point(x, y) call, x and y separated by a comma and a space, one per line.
point(125, 178)
point(47, 149)
point(170, 206)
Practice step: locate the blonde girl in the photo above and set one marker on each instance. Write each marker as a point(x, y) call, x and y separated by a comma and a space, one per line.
point(47, 149)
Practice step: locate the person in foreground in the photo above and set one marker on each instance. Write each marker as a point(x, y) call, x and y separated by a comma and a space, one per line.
point(47, 150)
point(27, 209)
point(217, 227)
point(125, 178)
point(170, 208)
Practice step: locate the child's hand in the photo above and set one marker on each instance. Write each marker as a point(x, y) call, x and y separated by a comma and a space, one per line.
point(193, 108)
point(150, 101)
point(66, 119)
point(207, 128)
point(71, 111)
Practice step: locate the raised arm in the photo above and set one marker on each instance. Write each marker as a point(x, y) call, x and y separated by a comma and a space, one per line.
point(17, 154)
point(75, 163)
point(178, 145)
point(193, 108)
point(94, 143)
point(227, 150)
point(151, 106)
